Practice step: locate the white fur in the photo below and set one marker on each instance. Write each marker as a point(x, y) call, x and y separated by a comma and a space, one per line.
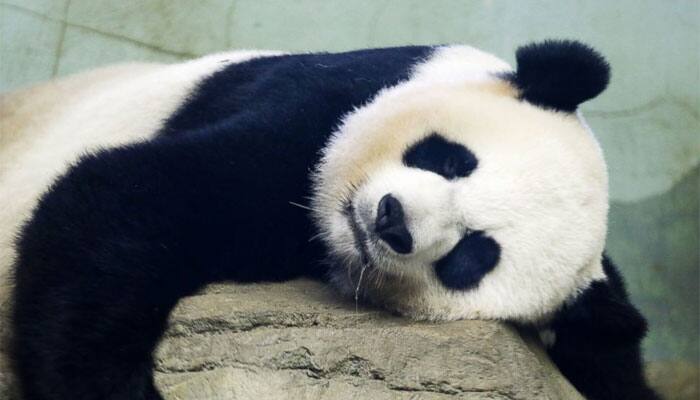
point(46, 128)
point(540, 191)
point(459, 64)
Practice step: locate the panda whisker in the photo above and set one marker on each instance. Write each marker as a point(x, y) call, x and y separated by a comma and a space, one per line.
point(316, 236)
point(300, 206)
point(359, 282)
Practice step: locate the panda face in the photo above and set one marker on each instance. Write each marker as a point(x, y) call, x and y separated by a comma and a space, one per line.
point(458, 200)
point(420, 224)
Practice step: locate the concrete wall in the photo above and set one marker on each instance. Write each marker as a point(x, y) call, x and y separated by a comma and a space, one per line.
point(648, 121)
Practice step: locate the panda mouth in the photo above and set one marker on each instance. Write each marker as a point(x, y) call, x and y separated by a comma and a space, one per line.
point(359, 235)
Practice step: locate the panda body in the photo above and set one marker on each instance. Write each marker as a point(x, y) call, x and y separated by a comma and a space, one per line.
point(436, 182)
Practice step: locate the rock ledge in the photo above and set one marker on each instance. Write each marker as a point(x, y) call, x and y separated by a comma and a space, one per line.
point(298, 341)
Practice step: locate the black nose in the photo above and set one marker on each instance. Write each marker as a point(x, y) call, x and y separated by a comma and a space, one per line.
point(390, 225)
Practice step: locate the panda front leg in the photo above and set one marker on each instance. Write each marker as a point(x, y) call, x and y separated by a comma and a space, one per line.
point(123, 235)
point(595, 340)
point(90, 336)
point(90, 304)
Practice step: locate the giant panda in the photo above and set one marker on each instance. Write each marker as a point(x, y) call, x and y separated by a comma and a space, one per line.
point(436, 182)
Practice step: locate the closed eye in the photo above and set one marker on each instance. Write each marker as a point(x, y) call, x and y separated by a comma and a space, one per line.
point(436, 154)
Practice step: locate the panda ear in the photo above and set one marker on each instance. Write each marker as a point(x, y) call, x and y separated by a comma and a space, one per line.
point(559, 74)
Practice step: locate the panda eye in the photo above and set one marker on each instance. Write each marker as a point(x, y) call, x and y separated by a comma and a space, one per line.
point(436, 154)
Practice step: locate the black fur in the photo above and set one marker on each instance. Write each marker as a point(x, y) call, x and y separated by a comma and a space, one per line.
point(126, 232)
point(559, 74)
point(598, 339)
point(436, 154)
point(468, 262)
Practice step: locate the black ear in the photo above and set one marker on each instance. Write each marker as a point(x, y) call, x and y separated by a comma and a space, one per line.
point(559, 74)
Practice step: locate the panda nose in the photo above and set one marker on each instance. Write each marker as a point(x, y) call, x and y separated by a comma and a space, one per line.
point(390, 225)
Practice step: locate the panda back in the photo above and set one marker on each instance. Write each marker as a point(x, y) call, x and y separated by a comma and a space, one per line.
point(47, 127)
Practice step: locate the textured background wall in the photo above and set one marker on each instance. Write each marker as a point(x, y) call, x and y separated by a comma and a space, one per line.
point(648, 121)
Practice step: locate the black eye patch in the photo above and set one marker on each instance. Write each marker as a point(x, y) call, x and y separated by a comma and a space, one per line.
point(468, 262)
point(436, 154)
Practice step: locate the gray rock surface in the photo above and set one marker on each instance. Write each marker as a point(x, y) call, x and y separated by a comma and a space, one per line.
point(298, 341)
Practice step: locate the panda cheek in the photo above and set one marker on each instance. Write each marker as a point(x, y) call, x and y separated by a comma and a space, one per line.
point(474, 256)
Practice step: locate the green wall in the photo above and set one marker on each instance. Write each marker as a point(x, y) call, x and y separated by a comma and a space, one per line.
point(648, 121)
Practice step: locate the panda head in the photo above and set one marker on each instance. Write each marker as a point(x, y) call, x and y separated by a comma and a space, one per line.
point(471, 190)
